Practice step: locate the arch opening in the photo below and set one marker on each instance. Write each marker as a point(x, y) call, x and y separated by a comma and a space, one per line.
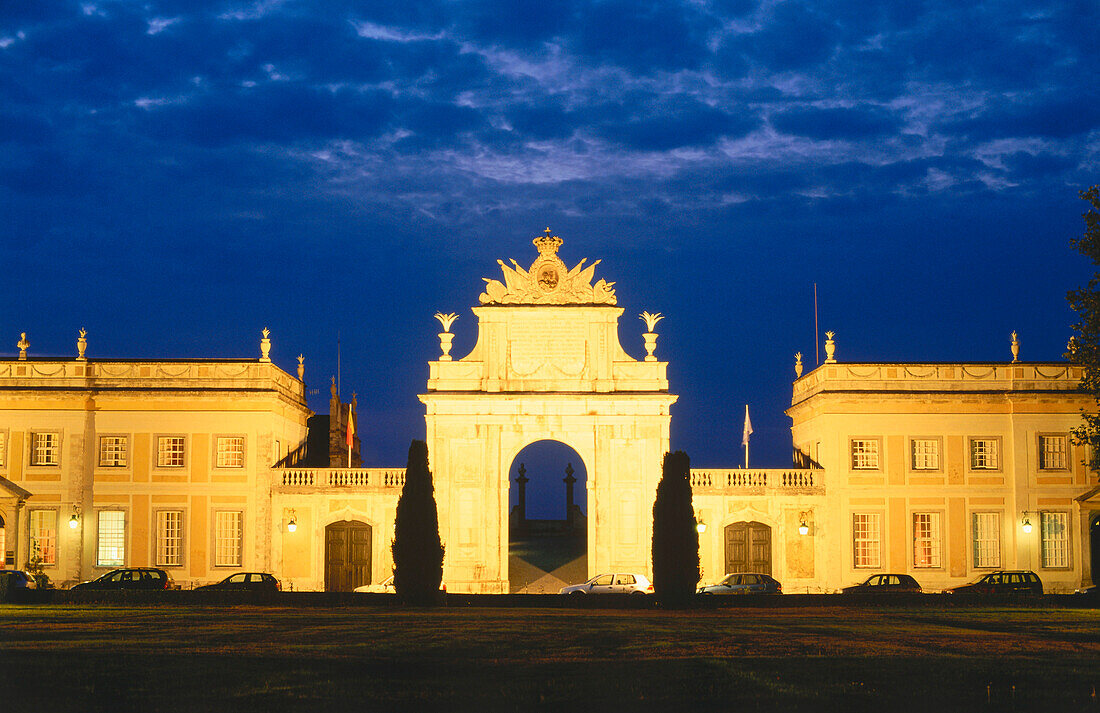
point(547, 523)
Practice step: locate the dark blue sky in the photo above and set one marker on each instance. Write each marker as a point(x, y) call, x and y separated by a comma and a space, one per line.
point(174, 176)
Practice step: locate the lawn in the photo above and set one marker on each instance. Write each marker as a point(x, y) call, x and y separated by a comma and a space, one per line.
point(255, 658)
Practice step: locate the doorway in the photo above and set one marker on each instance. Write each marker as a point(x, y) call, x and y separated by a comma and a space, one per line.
point(347, 555)
point(748, 548)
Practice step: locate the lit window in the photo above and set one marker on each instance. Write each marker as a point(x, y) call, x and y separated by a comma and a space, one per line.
point(170, 538)
point(111, 539)
point(867, 539)
point(865, 454)
point(227, 538)
point(170, 451)
point(45, 449)
point(926, 539)
point(987, 539)
point(1052, 452)
point(1055, 533)
point(926, 454)
point(112, 451)
point(983, 454)
point(230, 452)
point(43, 536)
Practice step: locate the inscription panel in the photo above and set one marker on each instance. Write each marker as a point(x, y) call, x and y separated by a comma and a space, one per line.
point(542, 348)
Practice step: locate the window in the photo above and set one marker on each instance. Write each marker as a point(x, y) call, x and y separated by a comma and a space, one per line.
point(112, 451)
point(227, 538)
point(926, 539)
point(987, 539)
point(43, 536)
point(867, 539)
point(983, 454)
point(1055, 534)
point(110, 548)
point(230, 452)
point(864, 454)
point(170, 538)
point(925, 454)
point(1052, 452)
point(3, 451)
point(45, 449)
point(170, 450)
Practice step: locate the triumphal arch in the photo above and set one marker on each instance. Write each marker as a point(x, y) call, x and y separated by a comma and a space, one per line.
point(547, 364)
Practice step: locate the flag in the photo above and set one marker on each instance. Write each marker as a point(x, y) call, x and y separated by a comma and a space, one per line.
point(351, 427)
point(748, 428)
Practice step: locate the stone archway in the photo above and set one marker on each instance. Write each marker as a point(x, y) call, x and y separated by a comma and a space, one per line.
point(547, 364)
point(347, 555)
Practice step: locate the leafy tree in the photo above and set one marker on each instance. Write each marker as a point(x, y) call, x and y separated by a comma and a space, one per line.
point(1084, 345)
point(675, 539)
point(417, 550)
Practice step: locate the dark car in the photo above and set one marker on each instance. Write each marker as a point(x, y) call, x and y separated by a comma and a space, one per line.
point(744, 583)
point(11, 579)
point(131, 578)
point(1021, 582)
point(885, 584)
point(245, 582)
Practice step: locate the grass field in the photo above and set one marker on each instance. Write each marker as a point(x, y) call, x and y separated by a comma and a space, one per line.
point(253, 658)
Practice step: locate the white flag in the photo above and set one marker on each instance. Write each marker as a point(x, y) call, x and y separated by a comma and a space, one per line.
point(748, 428)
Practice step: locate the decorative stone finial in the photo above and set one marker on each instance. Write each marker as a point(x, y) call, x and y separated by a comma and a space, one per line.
point(301, 367)
point(650, 336)
point(23, 346)
point(830, 348)
point(445, 337)
point(265, 346)
point(1015, 348)
point(798, 365)
point(82, 345)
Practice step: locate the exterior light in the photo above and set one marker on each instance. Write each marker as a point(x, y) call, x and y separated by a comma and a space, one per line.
point(803, 528)
point(74, 522)
point(1027, 526)
point(292, 523)
point(700, 526)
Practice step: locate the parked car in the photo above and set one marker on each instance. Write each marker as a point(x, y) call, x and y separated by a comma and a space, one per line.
point(1022, 582)
point(878, 584)
point(245, 582)
point(615, 583)
point(132, 578)
point(16, 579)
point(744, 583)
point(383, 587)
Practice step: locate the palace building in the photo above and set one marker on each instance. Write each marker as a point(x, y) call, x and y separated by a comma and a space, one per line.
point(206, 467)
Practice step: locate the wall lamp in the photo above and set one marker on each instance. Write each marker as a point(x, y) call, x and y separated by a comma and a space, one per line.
point(1026, 524)
point(803, 528)
point(292, 522)
point(700, 526)
point(74, 519)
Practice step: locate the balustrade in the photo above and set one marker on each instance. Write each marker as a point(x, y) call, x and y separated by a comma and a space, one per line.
point(771, 479)
point(383, 478)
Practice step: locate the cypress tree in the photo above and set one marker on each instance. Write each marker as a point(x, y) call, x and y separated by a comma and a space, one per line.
point(675, 539)
point(417, 550)
point(1084, 345)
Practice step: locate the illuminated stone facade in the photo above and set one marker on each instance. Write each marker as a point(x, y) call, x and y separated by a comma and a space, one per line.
point(201, 466)
point(162, 463)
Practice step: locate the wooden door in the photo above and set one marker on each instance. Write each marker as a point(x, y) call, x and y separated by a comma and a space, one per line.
point(347, 556)
point(748, 548)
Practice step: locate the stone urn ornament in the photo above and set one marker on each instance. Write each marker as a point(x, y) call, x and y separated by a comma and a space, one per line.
point(445, 337)
point(798, 365)
point(650, 336)
point(1015, 348)
point(301, 367)
point(82, 345)
point(265, 346)
point(830, 348)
